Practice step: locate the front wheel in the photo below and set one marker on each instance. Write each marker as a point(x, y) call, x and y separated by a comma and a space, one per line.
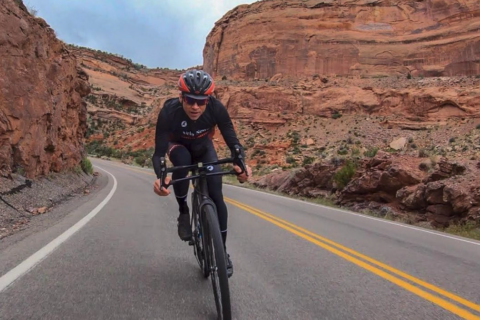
point(199, 245)
point(216, 260)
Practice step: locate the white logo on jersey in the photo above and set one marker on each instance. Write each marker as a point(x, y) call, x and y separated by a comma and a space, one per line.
point(210, 168)
point(184, 124)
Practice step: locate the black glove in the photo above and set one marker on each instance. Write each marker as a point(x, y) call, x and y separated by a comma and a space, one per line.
point(238, 155)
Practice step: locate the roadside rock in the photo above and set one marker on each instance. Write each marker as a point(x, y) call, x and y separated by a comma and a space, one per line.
point(398, 144)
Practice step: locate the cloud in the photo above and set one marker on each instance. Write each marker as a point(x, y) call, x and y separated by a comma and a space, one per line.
point(157, 33)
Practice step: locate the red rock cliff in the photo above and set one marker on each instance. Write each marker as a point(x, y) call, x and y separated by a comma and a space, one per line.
point(346, 37)
point(42, 116)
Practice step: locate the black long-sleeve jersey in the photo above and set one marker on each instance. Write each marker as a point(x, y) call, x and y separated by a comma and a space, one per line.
point(173, 125)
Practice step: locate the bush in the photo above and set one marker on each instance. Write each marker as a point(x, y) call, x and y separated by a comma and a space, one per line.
point(308, 160)
point(342, 151)
point(355, 152)
point(422, 153)
point(424, 166)
point(32, 11)
point(86, 165)
point(290, 160)
point(336, 115)
point(343, 176)
point(478, 126)
point(371, 152)
point(140, 160)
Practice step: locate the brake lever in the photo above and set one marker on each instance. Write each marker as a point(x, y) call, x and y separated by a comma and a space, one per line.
point(239, 161)
point(163, 173)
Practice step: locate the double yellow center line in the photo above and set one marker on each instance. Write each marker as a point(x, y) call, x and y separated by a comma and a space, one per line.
point(374, 266)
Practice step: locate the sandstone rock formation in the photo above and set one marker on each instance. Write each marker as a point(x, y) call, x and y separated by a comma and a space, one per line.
point(126, 98)
point(431, 100)
point(296, 39)
point(448, 194)
point(42, 116)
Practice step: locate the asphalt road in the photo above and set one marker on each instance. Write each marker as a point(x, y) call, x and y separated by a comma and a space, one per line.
point(292, 260)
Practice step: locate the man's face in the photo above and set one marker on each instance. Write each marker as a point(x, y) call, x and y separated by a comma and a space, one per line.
point(193, 107)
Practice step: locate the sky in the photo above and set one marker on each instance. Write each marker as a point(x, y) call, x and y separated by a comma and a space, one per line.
point(156, 33)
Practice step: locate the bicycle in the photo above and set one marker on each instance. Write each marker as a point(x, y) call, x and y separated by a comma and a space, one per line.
point(206, 236)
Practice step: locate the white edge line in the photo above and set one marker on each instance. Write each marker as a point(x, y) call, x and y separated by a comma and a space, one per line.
point(363, 216)
point(28, 264)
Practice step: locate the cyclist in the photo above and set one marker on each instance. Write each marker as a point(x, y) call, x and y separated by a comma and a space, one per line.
point(184, 131)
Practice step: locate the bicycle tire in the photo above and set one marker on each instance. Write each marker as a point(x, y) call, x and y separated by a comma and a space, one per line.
point(199, 245)
point(217, 262)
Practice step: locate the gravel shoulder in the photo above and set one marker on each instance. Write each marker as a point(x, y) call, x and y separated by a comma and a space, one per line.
point(26, 204)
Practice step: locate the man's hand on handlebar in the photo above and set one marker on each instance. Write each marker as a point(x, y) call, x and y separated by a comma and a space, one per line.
point(161, 191)
point(245, 175)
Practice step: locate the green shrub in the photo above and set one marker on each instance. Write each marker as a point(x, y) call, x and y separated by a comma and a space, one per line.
point(290, 160)
point(371, 152)
point(308, 160)
point(86, 165)
point(343, 176)
point(422, 153)
point(336, 115)
point(140, 160)
point(478, 126)
point(355, 152)
point(342, 151)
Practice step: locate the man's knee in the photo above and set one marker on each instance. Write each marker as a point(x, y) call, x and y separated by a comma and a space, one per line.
point(179, 155)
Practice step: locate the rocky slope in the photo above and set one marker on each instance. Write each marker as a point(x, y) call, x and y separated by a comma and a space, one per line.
point(297, 39)
point(440, 193)
point(125, 99)
point(42, 116)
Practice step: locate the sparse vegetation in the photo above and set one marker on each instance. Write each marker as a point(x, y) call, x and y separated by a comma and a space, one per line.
point(308, 160)
point(290, 160)
point(32, 10)
point(343, 176)
point(336, 115)
point(468, 229)
point(86, 165)
point(371, 152)
point(422, 153)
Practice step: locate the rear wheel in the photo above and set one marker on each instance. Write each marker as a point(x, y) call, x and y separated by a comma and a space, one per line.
point(215, 257)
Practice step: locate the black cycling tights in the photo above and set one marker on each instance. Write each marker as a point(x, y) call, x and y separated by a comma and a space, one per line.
point(180, 156)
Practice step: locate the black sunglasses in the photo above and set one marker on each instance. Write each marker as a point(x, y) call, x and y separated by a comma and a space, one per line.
point(192, 101)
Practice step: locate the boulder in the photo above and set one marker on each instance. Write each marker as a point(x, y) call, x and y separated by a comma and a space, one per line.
point(398, 144)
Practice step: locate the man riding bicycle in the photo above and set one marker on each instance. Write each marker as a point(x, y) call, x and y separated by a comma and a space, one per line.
point(184, 131)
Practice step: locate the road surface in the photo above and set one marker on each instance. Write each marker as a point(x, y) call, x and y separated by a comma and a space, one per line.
point(116, 255)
